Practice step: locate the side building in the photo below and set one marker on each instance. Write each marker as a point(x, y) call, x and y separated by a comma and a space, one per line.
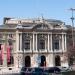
point(33, 43)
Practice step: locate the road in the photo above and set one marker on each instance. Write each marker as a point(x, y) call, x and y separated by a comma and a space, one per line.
point(11, 74)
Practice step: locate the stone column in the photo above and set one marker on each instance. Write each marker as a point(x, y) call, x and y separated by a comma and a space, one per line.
point(51, 41)
point(5, 56)
point(5, 60)
point(20, 41)
point(65, 42)
point(48, 43)
point(33, 42)
point(17, 40)
point(62, 42)
point(5, 52)
point(36, 42)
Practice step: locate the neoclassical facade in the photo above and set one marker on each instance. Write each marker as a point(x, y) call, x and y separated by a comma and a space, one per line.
point(33, 43)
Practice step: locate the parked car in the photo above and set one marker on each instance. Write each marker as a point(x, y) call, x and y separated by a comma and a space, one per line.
point(64, 69)
point(38, 71)
point(53, 70)
point(26, 71)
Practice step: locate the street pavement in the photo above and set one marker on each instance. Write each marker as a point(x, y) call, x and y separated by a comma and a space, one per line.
point(11, 74)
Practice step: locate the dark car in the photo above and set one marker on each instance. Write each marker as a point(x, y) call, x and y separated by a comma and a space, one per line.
point(54, 70)
point(26, 71)
point(23, 70)
point(38, 71)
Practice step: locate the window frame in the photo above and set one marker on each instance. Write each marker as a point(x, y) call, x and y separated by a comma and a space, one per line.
point(56, 44)
point(28, 47)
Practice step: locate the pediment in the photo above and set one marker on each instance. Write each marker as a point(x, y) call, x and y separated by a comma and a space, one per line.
point(56, 26)
point(41, 27)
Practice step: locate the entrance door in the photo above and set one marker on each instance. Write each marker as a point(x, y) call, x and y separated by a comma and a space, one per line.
point(57, 61)
point(43, 61)
point(27, 61)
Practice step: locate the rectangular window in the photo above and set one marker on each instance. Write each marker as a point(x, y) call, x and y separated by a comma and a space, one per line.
point(41, 44)
point(27, 44)
point(56, 45)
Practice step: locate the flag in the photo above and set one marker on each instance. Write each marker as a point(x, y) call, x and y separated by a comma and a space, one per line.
point(8, 53)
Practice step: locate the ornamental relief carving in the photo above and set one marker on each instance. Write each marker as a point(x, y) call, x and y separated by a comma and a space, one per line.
point(42, 36)
point(27, 36)
point(57, 36)
point(41, 27)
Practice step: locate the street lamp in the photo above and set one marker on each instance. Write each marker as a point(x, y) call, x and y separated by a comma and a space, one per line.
point(72, 19)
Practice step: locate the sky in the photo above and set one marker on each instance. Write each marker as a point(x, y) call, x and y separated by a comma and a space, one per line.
point(49, 9)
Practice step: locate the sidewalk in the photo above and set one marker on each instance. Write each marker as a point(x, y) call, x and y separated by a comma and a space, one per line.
point(9, 71)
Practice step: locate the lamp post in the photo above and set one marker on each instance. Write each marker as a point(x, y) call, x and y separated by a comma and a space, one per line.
point(72, 19)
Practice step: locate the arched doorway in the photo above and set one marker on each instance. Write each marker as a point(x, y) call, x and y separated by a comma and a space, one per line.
point(57, 61)
point(27, 61)
point(43, 61)
point(70, 61)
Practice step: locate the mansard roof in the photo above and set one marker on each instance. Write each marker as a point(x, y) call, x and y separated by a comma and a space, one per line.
point(54, 21)
point(39, 24)
point(7, 27)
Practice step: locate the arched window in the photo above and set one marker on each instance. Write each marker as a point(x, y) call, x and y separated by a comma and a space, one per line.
point(43, 61)
point(57, 61)
point(27, 61)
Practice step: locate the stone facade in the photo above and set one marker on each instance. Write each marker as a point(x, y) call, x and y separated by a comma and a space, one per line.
point(33, 43)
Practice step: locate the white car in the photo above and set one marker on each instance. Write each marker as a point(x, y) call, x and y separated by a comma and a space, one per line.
point(64, 69)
